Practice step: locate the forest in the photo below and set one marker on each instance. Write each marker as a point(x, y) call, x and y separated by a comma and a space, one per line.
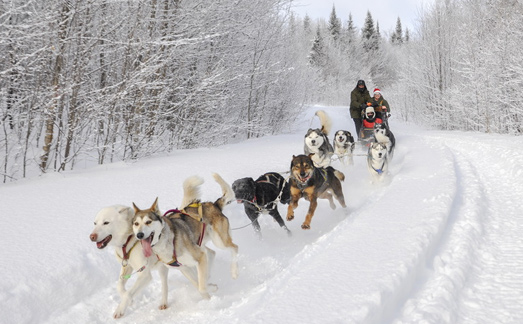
point(98, 81)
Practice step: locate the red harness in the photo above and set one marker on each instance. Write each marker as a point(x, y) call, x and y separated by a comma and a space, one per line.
point(174, 262)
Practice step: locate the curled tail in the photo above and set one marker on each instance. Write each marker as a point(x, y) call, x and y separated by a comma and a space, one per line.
point(325, 121)
point(191, 190)
point(339, 175)
point(228, 194)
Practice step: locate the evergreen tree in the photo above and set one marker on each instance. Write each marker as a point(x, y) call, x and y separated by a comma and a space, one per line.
point(397, 35)
point(307, 25)
point(317, 56)
point(368, 34)
point(350, 34)
point(334, 25)
point(351, 30)
point(407, 35)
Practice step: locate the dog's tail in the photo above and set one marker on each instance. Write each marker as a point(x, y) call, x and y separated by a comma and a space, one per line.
point(325, 121)
point(339, 175)
point(191, 190)
point(228, 195)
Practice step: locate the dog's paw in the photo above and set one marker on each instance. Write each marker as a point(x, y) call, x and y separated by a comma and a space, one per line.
point(290, 217)
point(120, 310)
point(162, 307)
point(117, 314)
point(212, 287)
point(305, 226)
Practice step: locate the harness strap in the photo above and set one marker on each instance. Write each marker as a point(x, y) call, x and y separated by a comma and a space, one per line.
point(174, 262)
point(277, 185)
point(380, 170)
point(124, 248)
point(200, 211)
point(202, 233)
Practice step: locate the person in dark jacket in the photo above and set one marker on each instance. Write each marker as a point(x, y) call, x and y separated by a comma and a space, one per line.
point(358, 101)
point(381, 106)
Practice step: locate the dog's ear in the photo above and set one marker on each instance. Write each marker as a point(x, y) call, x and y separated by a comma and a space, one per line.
point(127, 211)
point(136, 209)
point(310, 155)
point(154, 206)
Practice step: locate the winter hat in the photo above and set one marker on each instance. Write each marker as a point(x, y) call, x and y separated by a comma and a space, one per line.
point(370, 110)
point(361, 82)
point(376, 90)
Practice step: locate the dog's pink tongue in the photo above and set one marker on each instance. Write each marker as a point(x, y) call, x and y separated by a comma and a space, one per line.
point(147, 249)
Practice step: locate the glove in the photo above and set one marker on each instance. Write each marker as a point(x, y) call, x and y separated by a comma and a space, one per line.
point(388, 115)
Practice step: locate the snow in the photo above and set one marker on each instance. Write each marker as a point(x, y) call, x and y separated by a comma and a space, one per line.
point(440, 242)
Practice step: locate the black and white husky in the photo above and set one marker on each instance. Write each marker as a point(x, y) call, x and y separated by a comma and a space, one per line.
point(317, 142)
point(377, 161)
point(344, 146)
point(382, 134)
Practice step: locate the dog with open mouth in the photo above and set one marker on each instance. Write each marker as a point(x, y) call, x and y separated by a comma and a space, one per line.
point(312, 183)
point(178, 237)
point(113, 227)
point(344, 144)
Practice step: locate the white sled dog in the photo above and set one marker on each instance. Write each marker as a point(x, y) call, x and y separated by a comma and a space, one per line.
point(317, 142)
point(343, 144)
point(377, 161)
point(178, 238)
point(112, 226)
point(382, 134)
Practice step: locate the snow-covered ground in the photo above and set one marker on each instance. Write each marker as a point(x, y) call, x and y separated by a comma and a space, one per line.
point(441, 242)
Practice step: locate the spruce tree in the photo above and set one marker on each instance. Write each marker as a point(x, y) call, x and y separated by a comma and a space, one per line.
point(334, 25)
point(351, 31)
point(368, 34)
point(317, 54)
point(397, 35)
point(307, 24)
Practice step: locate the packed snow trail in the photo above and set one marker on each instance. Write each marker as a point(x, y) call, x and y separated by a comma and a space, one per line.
point(476, 274)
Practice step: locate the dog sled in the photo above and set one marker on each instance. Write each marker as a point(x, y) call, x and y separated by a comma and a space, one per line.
point(366, 136)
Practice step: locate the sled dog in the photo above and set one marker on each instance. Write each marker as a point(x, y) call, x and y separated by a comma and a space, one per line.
point(312, 183)
point(382, 134)
point(317, 142)
point(178, 238)
point(262, 196)
point(113, 227)
point(343, 144)
point(377, 161)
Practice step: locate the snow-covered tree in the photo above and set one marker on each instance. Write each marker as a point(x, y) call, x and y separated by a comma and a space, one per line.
point(334, 25)
point(396, 37)
point(317, 55)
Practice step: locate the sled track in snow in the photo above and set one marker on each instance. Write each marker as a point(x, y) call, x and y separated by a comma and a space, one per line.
point(481, 239)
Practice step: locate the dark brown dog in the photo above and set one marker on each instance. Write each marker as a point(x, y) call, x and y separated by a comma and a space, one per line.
point(312, 183)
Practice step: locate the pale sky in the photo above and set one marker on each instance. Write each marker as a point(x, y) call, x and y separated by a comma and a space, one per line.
point(386, 12)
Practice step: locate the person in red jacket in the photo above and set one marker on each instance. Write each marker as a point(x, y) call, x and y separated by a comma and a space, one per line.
point(370, 118)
